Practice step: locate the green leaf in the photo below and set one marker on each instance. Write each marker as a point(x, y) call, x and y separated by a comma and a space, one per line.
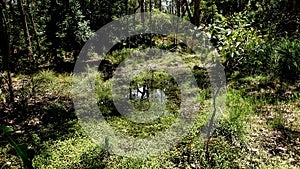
point(6, 129)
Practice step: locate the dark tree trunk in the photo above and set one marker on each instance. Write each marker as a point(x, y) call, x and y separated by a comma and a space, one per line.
point(142, 10)
point(159, 5)
point(5, 49)
point(197, 12)
point(51, 30)
point(178, 6)
point(292, 25)
point(188, 10)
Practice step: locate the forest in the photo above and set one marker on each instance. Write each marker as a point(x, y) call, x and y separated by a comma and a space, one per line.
point(150, 84)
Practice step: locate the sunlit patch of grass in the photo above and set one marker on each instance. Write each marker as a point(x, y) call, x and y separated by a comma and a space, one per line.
point(63, 153)
point(53, 82)
point(118, 56)
point(127, 127)
point(235, 118)
point(255, 79)
point(116, 162)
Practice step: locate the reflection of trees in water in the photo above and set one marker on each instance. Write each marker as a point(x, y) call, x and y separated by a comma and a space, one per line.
point(160, 90)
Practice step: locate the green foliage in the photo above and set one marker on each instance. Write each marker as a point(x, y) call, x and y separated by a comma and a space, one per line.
point(237, 42)
point(287, 60)
point(74, 27)
point(67, 152)
point(21, 149)
point(232, 126)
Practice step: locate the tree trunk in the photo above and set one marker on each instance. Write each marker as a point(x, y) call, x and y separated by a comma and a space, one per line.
point(178, 6)
point(188, 10)
point(159, 5)
point(51, 29)
point(5, 49)
point(34, 28)
point(197, 12)
point(26, 30)
point(142, 10)
point(292, 4)
point(127, 24)
point(150, 10)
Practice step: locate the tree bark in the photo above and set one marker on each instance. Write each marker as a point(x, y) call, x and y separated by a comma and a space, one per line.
point(5, 49)
point(127, 24)
point(150, 9)
point(178, 7)
point(197, 12)
point(142, 10)
point(292, 4)
point(26, 30)
point(159, 5)
point(51, 29)
point(34, 28)
point(188, 10)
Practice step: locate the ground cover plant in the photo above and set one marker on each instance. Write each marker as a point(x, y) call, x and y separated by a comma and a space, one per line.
point(254, 114)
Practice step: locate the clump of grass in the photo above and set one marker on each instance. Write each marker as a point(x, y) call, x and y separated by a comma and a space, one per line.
point(234, 121)
point(278, 121)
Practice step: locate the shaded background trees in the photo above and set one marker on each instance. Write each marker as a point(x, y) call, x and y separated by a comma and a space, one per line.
point(52, 32)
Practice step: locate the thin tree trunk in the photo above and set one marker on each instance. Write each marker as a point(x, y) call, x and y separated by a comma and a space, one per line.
point(150, 9)
point(127, 25)
point(5, 49)
point(34, 28)
point(292, 4)
point(142, 5)
point(142, 10)
point(188, 10)
point(26, 30)
point(178, 5)
point(142, 14)
point(172, 8)
point(178, 10)
point(145, 6)
point(160, 5)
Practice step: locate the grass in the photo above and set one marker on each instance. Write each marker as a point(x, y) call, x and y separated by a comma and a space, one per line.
point(259, 129)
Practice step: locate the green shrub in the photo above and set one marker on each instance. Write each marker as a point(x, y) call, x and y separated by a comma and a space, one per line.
point(238, 42)
point(287, 60)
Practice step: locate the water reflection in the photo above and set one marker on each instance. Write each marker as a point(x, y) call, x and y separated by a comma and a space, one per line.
point(142, 93)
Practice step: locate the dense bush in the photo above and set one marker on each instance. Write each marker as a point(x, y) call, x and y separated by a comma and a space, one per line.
point(287, 60)
point(245, 47)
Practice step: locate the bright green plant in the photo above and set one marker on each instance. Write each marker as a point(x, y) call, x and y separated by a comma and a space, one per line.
point(237, 41)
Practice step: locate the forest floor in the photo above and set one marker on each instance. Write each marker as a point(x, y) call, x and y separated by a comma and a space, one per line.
point(260, 128)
